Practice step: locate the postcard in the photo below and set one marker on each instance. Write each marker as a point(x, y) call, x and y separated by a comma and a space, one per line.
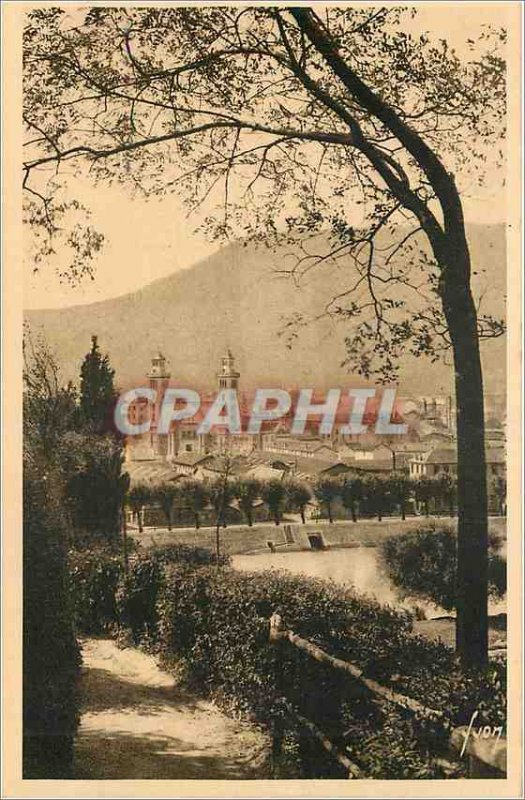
point(262, 432)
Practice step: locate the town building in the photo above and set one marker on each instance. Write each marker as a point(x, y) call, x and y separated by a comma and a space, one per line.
point(444, 461)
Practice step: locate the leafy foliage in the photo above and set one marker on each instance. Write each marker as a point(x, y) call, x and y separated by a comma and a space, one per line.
point(95, 484)
point(212, 628)
point(298, 496)
point(273, 492)
point(422, 564)
point(95, 573)
point(137, 496)
point(166, 494)
point(97, 392)
point(217, 627)
point(280, 144)
point(307, 116)
point(351, 495)
point(50, 409)
point(247, 491)
point(51, 657)
point(196, 495)
point(326, 491)
point(137, 596)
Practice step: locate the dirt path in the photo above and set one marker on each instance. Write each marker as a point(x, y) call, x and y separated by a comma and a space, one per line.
point(137, 723)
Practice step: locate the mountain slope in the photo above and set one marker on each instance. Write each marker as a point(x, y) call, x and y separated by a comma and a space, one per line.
point(235, 299)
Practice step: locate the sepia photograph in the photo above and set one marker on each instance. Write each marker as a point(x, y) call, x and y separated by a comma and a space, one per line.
point(262, 348)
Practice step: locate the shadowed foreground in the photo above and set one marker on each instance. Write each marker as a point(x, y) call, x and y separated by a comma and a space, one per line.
point(137, 723)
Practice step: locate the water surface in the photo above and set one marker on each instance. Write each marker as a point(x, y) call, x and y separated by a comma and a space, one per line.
point(359, 567)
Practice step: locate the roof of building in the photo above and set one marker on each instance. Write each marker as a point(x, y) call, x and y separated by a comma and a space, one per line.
point(442, 455)
point(370, 464)
point(190, 459)
point(316, 447)
point(150, 472)
point(263, 472)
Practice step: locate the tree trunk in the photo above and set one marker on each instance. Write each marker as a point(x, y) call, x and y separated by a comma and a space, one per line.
point(197, 524)
point(329, 512)
point(218, 545)
point(472, 553)
point(302, 516)
point(124, 538)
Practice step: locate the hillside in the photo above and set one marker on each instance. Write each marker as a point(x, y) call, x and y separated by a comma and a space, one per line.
point(234, 299)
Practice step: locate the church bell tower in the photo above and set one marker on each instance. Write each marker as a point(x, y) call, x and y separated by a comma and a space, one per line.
point(159, 380)
point(228, 377)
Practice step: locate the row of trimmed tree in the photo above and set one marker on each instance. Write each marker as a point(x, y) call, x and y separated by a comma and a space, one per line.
point(219, 495)
point(366, 495)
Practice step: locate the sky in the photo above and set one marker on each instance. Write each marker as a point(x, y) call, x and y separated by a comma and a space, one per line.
point(147, 239)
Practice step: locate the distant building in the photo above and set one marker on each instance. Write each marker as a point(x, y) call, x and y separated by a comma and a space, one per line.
point(159, 379)
point(228, 377)
point(444, 461)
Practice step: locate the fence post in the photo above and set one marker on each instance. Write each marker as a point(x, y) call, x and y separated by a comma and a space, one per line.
point(276, 641)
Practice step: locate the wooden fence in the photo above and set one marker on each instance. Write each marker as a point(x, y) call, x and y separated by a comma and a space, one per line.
point(484, 758)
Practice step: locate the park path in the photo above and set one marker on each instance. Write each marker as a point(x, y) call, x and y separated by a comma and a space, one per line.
point(138, 723)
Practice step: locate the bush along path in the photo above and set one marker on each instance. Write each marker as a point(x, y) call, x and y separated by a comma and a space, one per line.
point(211, 628)
point(136, 722)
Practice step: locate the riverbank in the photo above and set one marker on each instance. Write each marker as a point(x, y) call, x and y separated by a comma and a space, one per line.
point(293, 535)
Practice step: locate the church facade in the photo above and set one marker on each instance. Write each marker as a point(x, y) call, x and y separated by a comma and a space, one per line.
point(183, 438)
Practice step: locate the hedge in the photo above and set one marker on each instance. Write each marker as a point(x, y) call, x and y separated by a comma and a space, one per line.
point(106, 597)
point(212, 627)
point(51, 657)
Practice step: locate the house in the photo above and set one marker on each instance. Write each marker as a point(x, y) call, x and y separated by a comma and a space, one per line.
point(189, 463)
point(152, 471)
point(303, 446)
point(444, 461)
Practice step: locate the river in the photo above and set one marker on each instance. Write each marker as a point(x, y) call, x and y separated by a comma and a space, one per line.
point(359, 567)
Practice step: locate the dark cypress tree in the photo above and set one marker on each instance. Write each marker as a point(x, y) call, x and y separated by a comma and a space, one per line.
point(97, 391)
point(96, 483)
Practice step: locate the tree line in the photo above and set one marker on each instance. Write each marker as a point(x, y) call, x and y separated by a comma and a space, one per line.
point(369, 495)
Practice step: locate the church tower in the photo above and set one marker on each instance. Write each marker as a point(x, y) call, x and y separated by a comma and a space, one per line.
point(228, 377)
point(159, 380)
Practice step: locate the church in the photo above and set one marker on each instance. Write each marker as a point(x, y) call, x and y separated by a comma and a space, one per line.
point(183, 437)
point(183, 444)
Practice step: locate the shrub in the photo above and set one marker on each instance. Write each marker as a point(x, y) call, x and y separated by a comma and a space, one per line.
point(216, 627)
point(186, 554)
point(94, 577)
point(51, 657)
point(137, 595)
point(212, 628)
point(422, 564)
point(105, 596)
